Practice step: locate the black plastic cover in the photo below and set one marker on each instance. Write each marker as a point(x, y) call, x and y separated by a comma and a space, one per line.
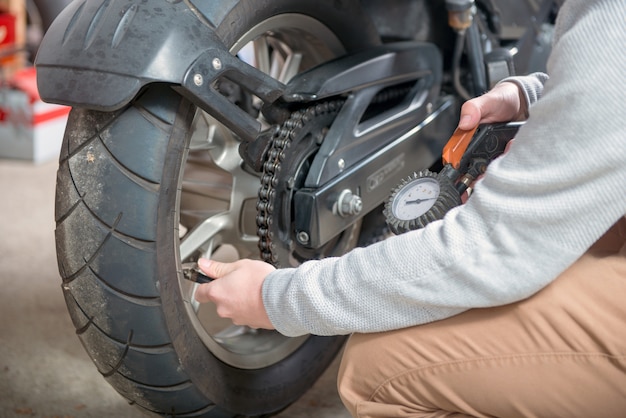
point(98, 54)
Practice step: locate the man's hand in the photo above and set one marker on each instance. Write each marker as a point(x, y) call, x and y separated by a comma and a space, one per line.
point(236, 292)
point(503, 103)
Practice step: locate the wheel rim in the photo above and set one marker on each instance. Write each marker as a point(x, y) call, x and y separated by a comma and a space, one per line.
point(217, 199)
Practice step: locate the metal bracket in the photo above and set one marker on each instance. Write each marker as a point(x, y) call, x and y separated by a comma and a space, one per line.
point(198, 85)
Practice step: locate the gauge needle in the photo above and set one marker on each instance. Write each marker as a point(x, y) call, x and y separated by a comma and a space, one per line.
point(418, 201)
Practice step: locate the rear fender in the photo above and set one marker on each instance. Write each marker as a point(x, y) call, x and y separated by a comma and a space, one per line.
point(99, 54)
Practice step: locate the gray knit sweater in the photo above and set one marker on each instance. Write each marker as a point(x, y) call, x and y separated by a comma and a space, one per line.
point(536, 211)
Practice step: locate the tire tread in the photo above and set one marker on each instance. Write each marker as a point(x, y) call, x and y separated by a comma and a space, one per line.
point(136, 357)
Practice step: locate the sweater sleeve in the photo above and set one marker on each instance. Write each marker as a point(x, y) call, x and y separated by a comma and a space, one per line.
point(537, 209)
point(530, 86)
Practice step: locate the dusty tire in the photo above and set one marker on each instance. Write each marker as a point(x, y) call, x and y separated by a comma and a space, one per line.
point(49, 10)
point(118, 193)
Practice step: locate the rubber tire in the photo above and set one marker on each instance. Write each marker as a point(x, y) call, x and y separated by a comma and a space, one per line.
point(116, 194)
point(49, 10)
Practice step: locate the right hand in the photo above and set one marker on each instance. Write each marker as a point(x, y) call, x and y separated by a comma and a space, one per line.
point(503, 103)
point(236, 291)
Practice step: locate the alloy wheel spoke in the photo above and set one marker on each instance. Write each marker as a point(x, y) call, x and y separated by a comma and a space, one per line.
point(203, 234)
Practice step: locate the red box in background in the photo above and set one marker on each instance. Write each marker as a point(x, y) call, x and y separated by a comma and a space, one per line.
point(7, 36)
point(29, 128)
point(7, 29)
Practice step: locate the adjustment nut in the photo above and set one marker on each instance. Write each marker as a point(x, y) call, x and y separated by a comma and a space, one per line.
point(349, 204)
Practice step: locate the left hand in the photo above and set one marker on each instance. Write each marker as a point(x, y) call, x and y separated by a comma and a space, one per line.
point(236, 290)
point(504, 103)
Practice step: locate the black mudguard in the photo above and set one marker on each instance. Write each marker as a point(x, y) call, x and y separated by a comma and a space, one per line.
point(99, 54)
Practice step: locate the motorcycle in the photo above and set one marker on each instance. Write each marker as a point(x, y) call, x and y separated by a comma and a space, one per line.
point(245, 129)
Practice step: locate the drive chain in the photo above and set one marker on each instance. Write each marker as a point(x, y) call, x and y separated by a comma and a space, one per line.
point(271, 170)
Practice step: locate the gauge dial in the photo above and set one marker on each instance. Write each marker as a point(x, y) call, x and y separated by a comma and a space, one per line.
point(421, 198)
point(415, 198)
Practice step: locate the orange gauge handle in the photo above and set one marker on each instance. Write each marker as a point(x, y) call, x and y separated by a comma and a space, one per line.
point(457, 145)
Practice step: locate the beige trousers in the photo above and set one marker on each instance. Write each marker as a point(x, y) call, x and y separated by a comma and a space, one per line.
point(559, 353)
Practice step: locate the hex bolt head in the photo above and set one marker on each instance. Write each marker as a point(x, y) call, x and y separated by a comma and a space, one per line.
point(303, 237)
point(198, 80)
point(217, 64)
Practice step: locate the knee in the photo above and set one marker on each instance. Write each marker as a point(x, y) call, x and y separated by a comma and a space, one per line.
point(373, 381)
point(351, 381)
point(363, 368)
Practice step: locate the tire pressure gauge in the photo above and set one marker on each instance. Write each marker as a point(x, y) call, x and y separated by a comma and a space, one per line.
point(425, 197)
point(420, 199)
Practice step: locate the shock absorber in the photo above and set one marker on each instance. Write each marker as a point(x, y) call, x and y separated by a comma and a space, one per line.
point(461, 14)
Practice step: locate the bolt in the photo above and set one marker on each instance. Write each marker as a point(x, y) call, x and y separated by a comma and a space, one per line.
point(198, 80)
point(429, 108)
point(303, 237)
point(349, 204)
point(217, 64)
point(341, 164)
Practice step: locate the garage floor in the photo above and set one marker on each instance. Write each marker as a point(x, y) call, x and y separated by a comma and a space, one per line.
point(44, 371)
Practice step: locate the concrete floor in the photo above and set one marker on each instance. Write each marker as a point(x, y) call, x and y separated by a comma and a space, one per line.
point(44, 371)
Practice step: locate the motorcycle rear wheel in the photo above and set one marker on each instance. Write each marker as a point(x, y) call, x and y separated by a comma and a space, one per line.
point(158, 183)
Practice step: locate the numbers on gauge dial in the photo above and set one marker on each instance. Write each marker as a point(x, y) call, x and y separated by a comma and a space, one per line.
point(415, 198)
